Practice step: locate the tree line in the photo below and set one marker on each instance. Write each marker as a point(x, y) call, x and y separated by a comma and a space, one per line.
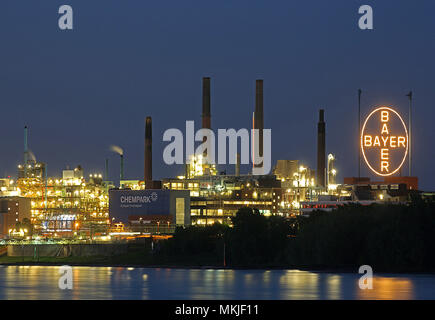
point(389, 237)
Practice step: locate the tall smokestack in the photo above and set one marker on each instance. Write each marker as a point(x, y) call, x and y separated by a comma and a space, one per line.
point(321, 152)
point(148, 166)
point(237, 164)
point(258, 115)
point(118, 150)
point(206, 114)
point(26, 151)
point(121, 171)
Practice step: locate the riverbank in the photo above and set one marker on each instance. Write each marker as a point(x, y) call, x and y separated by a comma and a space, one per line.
point(100, 261)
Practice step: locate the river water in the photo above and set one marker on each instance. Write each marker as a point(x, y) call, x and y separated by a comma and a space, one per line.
point(42, 282)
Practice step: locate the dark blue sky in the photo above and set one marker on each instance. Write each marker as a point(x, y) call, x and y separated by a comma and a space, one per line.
point(81, 91)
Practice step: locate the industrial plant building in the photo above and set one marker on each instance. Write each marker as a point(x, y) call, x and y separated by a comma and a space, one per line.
point(218, 198)
point(64, 206)
point(67, 205)
point(13, 211)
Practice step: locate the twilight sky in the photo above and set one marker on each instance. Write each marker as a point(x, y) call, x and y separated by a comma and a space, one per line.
point(83, 90)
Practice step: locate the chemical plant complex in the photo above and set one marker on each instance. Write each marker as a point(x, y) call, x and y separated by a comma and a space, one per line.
point(34, 205)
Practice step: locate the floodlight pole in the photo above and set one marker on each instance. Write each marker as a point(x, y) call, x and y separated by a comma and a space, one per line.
point(409, 95)
point(359, 132)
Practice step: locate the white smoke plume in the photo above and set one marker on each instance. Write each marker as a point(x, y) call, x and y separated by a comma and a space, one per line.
point(117, 149)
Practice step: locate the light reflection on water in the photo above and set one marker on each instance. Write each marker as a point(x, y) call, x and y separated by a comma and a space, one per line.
point(40, 282)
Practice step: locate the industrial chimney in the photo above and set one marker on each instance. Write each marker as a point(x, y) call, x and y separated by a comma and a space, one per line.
point(148, 165)
point(321, 152)
point(206, 115)
point(26, 151)
point(118, 150)
point(237, 173)
point(258, 115)
point(121, 170)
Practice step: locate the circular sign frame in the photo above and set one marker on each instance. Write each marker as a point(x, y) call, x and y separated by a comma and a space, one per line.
point(362, 143)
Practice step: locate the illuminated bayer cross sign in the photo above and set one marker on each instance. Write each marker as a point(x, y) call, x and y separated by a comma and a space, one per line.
point(384, 141)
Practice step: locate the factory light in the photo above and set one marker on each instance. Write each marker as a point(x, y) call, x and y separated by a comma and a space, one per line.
point(332, 187)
